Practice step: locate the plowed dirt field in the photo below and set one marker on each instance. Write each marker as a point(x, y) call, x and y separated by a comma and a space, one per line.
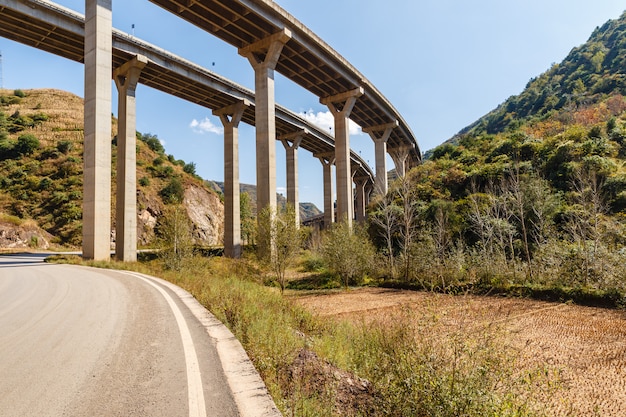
point(584, 346)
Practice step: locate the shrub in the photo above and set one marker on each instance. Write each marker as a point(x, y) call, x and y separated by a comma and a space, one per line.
point(190, 168)
point(65, 146)
point(348, 253)
point(27, 144)
point(173, 192)
point(175, 240)
point(19, 93)
point(144, 181)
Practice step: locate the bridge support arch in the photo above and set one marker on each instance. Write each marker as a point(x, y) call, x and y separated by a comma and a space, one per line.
point(329, 206)
point(263, 56)
point(126, 78)
point(380, 149)
point(291, 150)
point(361, 198)
point(400, 156)
point(230, 117)
point(97, 142)
point(341, 106)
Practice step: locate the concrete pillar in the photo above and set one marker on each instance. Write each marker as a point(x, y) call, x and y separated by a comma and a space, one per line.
point(263, 56)
point(329, 206)
point(361, 198)
point(399, 156)
point(126, 78)
point(291, 150)
point(380, 148)
point(97, 142)
point(230, 117)
point(341, 106)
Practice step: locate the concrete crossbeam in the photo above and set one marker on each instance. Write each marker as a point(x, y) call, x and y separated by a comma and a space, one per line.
point(126, 78)
point(97, 147)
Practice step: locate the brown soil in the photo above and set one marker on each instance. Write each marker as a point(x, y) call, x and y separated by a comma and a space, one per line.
point(583, 348)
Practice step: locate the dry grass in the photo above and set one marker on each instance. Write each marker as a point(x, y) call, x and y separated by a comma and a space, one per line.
point(585, 347)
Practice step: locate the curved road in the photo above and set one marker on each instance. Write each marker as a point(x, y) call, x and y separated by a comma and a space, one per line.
point(78, 341)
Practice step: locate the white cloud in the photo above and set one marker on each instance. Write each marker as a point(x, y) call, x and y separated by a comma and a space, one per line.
point(205, 126)
point(326, 121)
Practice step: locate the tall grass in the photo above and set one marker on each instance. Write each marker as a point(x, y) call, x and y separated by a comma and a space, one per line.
point(413, 367)
point(413, 370)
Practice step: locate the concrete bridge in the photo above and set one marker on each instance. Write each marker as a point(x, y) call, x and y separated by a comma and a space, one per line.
point(105, 51)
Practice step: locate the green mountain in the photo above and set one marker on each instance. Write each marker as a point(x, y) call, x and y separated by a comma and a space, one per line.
point(589, 74)
point(568, 119)
point(534, 192)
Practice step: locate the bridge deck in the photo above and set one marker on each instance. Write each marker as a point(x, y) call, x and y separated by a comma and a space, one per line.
point(60, 31)
point(305, 59)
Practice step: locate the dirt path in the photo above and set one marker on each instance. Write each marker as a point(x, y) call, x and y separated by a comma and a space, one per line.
point(585, 346)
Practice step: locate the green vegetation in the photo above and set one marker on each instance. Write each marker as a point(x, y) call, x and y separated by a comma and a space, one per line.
point(278, 230)
point(41, 169)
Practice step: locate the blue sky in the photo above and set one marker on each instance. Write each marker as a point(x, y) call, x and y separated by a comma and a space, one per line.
point(441, 63)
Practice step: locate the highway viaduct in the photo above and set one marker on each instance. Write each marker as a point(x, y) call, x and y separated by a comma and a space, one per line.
point(105, 51)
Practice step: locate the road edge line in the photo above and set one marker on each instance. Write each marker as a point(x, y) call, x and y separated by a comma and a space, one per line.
point(248, 389)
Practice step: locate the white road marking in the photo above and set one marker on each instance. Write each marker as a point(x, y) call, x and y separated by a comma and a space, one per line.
point(197, 407)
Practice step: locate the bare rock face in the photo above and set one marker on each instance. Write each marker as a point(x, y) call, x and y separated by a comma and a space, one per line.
point(204, 208)
point(149, 209)
point(23, 237)
point(206, 212)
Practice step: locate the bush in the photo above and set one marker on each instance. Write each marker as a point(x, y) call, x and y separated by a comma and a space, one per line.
point(144, 181)
point(19, 93)
point(348, 253)
point(175, 240)
point(65, 146)
point(190, 168)
point(27, 144)
point(173, 192)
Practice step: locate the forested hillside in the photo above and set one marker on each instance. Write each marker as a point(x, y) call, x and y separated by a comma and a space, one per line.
point(534, 193)
point(41, 145)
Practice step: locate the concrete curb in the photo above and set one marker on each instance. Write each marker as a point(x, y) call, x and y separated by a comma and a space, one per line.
point(246, 385)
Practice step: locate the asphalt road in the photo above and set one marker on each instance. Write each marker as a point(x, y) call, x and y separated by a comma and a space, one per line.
point(78, 341)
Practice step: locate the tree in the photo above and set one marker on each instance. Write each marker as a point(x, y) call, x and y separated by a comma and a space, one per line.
point(280, 228)
point(173, 192)
point(386, 218)
point(175, 239)
point(409, 216)
point(346, 252)
point(246, 218)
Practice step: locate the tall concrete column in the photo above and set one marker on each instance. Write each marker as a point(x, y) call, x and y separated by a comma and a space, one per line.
point(126, 78)
point(263, 56)
point(291, 150)
point(361, 198)
point(380, 150)
point(329, 206)
point(399, 156)
point(230, 117)
point(341, 106)
point(97, 142)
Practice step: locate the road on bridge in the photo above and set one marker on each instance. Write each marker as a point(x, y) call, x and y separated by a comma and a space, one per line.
point(78, 341)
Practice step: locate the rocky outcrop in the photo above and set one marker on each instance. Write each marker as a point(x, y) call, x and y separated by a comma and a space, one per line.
point(24, 236)
point(206, 212)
